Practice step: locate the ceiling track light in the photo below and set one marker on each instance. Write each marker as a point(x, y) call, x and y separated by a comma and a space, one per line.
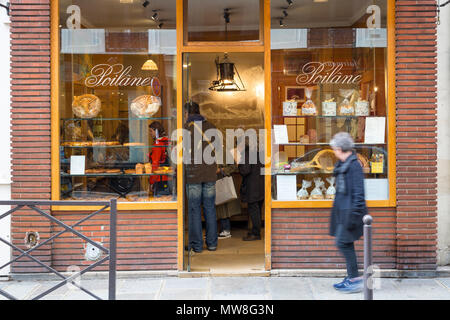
point(285, 13)
point(146, 3)
point(155, 15)
point(226, 15)
point(289, 2)
point(281, 23)
point(160, 25)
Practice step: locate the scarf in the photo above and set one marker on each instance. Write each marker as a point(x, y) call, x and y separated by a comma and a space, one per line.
point(339, 172)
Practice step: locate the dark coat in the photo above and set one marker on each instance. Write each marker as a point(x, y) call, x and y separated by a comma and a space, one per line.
point(202, 172)
point(252, 187)
point(349, 207)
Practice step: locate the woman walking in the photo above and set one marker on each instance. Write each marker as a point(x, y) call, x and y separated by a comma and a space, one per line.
point(349, 207)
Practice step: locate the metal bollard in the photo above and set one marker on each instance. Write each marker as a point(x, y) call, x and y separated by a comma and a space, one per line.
point(368, 269)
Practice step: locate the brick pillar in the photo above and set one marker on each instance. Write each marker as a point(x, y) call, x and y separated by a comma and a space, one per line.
point(416, 134)
point(30, 121)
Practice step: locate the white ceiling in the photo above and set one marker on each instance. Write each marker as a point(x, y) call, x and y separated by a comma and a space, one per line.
point(208, 14)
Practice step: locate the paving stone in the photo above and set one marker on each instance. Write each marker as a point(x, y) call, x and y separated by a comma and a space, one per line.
point(136, 296)
point(132, 286)
point(236, 286)
point(322, 289)
point(186, 283)
point(183, 294)
point(445, 282)
point(21, 290)
point(421, 289)
point(290, 288)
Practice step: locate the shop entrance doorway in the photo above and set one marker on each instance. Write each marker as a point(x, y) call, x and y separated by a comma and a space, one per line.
point(237, 111)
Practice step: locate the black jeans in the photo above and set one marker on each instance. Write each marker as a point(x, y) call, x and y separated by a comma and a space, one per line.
point(254, 211)
point(348, 250)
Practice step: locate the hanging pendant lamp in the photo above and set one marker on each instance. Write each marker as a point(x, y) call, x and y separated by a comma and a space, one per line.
point(225, 77)
point(149, 65)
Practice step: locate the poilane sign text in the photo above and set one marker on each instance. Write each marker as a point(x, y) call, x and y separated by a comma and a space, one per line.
point(116, 75)
point(328, 72)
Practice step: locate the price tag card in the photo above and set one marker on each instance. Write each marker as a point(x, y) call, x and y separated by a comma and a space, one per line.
point(77, 164)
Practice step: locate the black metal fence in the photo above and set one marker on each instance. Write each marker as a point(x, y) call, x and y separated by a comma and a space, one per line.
point(110, 254)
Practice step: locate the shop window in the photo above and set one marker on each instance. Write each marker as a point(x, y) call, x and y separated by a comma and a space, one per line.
point(223, 20)
point(329, 74)
point(117, 100)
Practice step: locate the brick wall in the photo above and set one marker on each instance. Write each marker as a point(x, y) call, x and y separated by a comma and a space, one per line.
point(416, 134)
point(145, 240)
point(30, 119)
point(300, 240)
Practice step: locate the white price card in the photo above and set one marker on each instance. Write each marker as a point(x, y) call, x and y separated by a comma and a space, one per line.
point(77, 164)
point(287, 187)
point(375, 130)
point(281, 134)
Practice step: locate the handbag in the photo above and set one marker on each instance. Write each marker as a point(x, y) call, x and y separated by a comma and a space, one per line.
point(225, 191)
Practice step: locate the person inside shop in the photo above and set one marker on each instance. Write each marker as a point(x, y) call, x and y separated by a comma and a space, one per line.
point(252, 187)
point(200, 180)
point(349, 207)
point(228, 209)
point(160, 184)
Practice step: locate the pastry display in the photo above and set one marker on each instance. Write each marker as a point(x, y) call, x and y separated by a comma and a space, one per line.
point(329, 108)
point(364, 162)
point(86, 106)
point(133, 144)
point(304, 139)
point(309, 108)
point(163, 170)
point(130, 171)
point(331, 191)
point(312, 133)
point(345, 107)
point(316, 193)
point(362, 108)
point(148, 168)
point(145, 106)
point(303, 194)
point(323, 160)
point(290, 108)
point(139, 168)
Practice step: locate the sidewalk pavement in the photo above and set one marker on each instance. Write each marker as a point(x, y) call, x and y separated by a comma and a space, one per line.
point(229, 288)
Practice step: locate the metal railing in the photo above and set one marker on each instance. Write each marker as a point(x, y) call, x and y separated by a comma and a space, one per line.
point(110, 254)
point(368, 268)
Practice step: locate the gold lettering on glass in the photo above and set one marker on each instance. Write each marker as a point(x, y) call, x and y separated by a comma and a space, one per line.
point(326, 73)
point(117, 75)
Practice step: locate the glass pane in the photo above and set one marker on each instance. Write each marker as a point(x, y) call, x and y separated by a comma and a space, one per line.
point(328, 75)
point(117, 100)
point(227, 20)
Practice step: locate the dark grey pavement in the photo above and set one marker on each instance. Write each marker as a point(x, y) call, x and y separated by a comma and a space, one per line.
point(230, 288)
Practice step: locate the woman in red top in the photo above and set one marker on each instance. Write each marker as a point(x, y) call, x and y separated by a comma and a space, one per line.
point(159, 157)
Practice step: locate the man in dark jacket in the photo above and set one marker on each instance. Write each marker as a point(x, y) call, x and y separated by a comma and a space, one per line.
point(252, 188)
point(200, 180)
point(349, 207)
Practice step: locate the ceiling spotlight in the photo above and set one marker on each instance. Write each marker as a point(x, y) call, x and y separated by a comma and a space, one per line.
point(160, 25)
point(281, 23)
point(155, 16)
point(289, 2)
point(285, 13)
point(226, 15)
point(146, 3)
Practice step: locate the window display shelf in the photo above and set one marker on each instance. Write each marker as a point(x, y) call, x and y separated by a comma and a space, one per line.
point(327, 144)
point(118, 146)
point(63, 174)
point(117, 119)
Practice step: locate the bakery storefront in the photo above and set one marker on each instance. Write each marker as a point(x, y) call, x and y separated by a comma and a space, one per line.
point(293, 73)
